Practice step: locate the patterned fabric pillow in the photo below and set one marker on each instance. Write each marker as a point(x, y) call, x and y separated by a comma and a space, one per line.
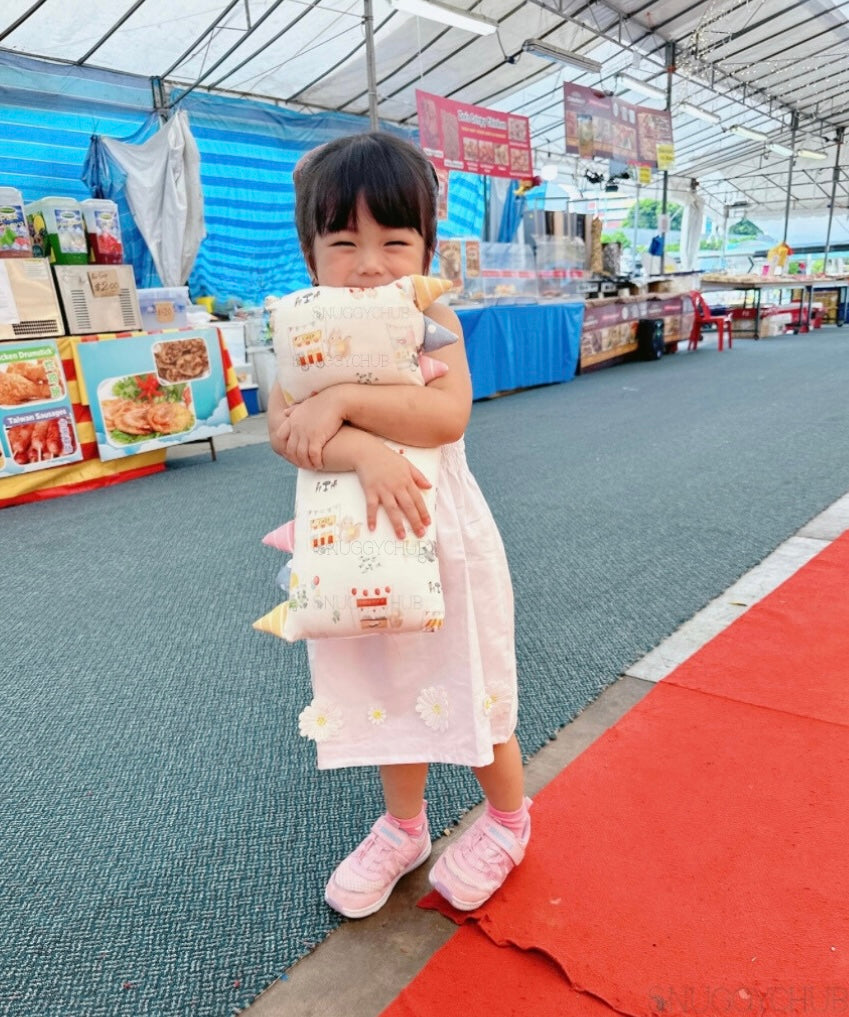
point(332, 335)
point(347, 581)
point(343, 580)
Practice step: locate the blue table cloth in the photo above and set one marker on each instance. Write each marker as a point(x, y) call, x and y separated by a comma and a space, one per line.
point(512, 346)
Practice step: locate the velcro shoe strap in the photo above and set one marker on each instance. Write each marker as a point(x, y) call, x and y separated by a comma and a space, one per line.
point(504, 838)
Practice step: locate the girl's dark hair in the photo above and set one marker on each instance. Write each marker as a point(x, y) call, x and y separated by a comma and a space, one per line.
point(395, 179)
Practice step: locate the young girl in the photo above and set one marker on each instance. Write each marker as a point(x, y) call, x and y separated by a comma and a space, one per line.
point(366, 215)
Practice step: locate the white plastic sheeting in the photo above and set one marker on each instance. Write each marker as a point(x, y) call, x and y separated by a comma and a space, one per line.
point(163, 190)
point(692, 224)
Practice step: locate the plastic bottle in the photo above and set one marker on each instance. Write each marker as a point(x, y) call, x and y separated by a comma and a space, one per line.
point(103, 231)
point(15, 240)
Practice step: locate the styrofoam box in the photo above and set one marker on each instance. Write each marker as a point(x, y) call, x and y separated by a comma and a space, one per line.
point(164, 307)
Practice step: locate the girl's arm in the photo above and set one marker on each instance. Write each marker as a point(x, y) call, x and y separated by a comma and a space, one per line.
point(426, 416)
point(388, 479)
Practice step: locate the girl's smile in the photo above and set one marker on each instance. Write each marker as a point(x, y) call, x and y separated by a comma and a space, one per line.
point(367, 254)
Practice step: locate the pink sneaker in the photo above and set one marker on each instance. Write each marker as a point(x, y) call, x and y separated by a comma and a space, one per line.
point(469, 871)
point(362, 882)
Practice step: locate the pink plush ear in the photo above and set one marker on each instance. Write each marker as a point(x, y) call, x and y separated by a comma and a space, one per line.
point(431, 368)
point(283, 538)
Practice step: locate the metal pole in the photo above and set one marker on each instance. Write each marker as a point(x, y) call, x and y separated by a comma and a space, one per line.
point(368, 20)
point(670, 69)
point(834, 181)
point(794, 123)
point(636, 229)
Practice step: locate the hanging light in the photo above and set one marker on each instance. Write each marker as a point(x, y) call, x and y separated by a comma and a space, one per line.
point(642, 86)
point(699, 114)
point(558, 55)
point(445, 15)
point(780, 149)
point(807, 153)
point(748, 132)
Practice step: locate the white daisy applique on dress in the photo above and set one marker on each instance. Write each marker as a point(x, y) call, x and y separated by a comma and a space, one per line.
point(433, 708)
point(376, 714)
point(320, 721)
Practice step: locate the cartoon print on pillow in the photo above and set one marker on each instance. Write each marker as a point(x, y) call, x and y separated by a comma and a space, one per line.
point(334, 335)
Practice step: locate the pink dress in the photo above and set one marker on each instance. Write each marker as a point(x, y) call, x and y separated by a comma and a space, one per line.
point(437, 697)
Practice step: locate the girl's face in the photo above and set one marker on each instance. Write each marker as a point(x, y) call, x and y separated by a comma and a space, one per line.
point(367, 254)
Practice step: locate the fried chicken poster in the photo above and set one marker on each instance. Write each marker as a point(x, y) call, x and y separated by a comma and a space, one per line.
point(151, 391)
point(37, 429)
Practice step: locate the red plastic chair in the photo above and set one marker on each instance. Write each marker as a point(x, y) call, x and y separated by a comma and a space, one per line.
point(702, 316)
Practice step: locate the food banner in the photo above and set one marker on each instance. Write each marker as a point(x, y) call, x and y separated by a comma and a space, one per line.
point(474, 139)
point(153, 390)
point(600, 126)
point(37, 429)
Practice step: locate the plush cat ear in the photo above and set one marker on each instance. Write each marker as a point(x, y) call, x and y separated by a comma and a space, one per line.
point(431, 368)
point(436, 336)
point(274, 621)
point(283, 538)
point(426, 289)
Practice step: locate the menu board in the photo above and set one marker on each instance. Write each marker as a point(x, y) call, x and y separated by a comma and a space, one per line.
point(474, 139)
point(150, 391)
point(600, 126)
point(37, 429)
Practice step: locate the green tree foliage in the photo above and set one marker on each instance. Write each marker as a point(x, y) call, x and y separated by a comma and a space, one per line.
point(744, 228)
point(616, 236)
point(650, 211)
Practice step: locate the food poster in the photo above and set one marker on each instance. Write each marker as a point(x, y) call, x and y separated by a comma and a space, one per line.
point(150, 391)
point(37, 429)
point(600, 126)
point(474, 139)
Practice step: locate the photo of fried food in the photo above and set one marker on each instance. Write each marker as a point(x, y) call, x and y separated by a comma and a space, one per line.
point(450, 136)
point(26, 381)
point(42, 441)
point(470, 149)
point(517, 129)
point(486, 152)
point(139, 408)
point(520, 160)
point(181, 359)
point(145, 419)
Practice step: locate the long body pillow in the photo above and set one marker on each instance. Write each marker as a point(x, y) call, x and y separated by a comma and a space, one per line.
point(343, 580)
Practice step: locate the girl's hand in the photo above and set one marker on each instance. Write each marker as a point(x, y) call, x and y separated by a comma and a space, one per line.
point(391, 481)
point(307, 427)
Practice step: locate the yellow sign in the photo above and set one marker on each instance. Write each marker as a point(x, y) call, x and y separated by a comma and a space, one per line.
point(644, 175)
point(665, 156)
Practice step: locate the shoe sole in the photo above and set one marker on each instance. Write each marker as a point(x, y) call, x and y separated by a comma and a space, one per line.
point(370, 909)
point(460, 905)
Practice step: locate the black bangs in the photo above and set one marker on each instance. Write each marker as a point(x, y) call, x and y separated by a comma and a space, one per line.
point(395, 180)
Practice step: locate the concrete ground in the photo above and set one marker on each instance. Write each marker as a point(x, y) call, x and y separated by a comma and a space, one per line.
point(397, 942)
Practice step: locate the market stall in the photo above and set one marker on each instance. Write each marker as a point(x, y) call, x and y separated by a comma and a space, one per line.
point(89, 423)
point(798, 313)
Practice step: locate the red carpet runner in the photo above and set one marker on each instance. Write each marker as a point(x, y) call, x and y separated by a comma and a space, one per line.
point(693, 861)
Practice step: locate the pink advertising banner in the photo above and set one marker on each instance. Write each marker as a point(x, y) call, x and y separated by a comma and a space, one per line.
point(474, 139)
point(600, 126)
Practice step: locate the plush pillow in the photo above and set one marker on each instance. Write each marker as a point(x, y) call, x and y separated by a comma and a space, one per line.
point(344, 580)
point(347, 581)
point(330, 335)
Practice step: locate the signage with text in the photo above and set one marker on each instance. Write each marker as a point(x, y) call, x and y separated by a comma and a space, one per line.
point(474, 139)
point(600, 126)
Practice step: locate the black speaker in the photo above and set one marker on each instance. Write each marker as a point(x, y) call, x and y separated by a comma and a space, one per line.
point(650, 338)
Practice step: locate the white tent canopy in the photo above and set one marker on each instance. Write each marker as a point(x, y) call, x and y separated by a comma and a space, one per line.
point(762, 66)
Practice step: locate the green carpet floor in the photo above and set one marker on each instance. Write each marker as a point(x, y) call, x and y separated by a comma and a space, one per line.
point(165, 836)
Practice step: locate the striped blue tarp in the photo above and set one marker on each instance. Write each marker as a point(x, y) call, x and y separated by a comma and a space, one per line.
point(248, 149)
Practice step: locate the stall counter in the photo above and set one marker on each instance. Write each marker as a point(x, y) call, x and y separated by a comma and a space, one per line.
point(89, 471)
point(513, 346)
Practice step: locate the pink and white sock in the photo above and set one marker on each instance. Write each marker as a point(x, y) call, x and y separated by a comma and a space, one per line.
point(516, 821)
point(413, 827)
